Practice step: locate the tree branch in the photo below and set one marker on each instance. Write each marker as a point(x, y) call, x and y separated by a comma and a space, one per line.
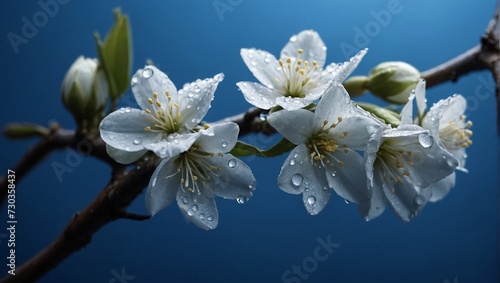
point(484, 56)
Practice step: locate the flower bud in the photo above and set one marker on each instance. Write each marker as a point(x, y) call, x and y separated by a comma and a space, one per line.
point(84, 89)
point(356, 85)
point(393, 81)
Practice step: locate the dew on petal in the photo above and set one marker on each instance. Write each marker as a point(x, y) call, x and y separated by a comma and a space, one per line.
point(419, 200)
point(128, 109)
point(426, 140)
point(210, 218)
point(311, 200)
point(224, 144)
point(297, 179)
point(184, 200)
point(219, 77)
point(292, 161)
point(346, 201)
point(241, 199)
point(201, 216)
point(134, 80)
point(293, 38)
point(231, 163)
point(263, 116)
point(163, 150)
point(194, 207)
point(147, 73)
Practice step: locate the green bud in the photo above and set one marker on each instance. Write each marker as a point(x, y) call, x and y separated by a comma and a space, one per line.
point(84, 89)
point(24, 130)
point(393, 81)
point(356, 85)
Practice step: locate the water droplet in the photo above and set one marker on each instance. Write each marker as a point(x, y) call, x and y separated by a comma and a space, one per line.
point(127, 148)
point(346, 201)
point(419, 200)
point(231, 163)
point(241, 199)
point(263, 116)
point(219, 77)
point(295, 155)
point(188, 106)
point(323, 48)
point(293, 38)
point(164, 81)
point(325, 188)
point(297, 179)
point(163, 150)
point(426, 140)
point(193, 120)
point(224, 144)
point(147, 73)
point(210, 218)
point(253, 63)
point(137, 141)
point(267, 59)
point(134, 81)
point(334, 174)
point(184, 200)
point(311, 200)
point(128, 109)
point(452, 162)
point(194, 207)
point(292, 161)
point(197, 89)
point(202, 216)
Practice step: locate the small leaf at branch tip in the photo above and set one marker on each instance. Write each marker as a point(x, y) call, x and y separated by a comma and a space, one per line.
point(24, 130)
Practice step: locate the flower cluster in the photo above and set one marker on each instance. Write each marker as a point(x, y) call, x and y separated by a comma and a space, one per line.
point(340, 146)
point(195, 161)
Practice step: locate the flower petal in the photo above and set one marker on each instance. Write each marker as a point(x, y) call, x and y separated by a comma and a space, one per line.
point(345, 174)
point(420, 98)
point(124, 157)
point(355, 131)
point(442, 187)
point(376, 205)
point(296, 126)
point(312, 45)
point(149, 80)
point(194, 100)
point(405, 200)
point(222, 137)
point(296, 171)
point(258, 95)
point(234, 180)
point(199, 209)
point(341, 71)
point(454, 111)
point(292, 103)
point(335, 103)
point(124, 130)
point(317, 192)
point(163, 186)
point(174, 145)
point(263, 66)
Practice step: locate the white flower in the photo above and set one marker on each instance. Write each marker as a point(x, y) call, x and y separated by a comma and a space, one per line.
point(447, 122)
point(325, 157)
point(196, 175)
point(167, 120)
point(401, 165)
point(297, 78)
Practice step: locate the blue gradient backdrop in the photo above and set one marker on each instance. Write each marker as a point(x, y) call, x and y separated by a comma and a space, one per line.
point(455, 240)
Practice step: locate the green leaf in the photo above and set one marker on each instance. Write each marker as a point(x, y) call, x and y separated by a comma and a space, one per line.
point(115, 55)
point(244, 149)
point(390, 117)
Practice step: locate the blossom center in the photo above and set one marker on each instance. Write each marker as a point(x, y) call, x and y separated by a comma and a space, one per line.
point(298, 74)
point(323, 145)
point(395, 161)
point(195, 170)
point(166, 119)
point(456, 135)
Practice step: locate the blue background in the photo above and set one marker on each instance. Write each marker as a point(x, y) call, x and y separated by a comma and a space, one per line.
point(455, 240)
